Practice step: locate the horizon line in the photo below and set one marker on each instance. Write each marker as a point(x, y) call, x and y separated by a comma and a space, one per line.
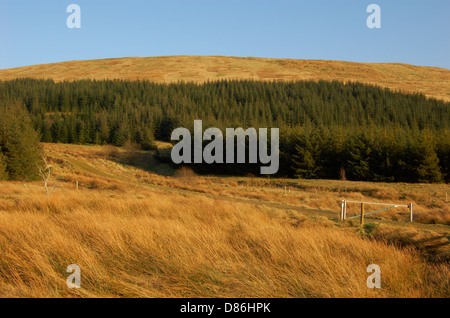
point(225, 56)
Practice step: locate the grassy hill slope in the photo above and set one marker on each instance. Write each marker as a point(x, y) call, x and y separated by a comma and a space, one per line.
point(431, 81)
point(192, 236)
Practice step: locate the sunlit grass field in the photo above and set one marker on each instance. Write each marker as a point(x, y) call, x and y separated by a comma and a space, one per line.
point(147, 230)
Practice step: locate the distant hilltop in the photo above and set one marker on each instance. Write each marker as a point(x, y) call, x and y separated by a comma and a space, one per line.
point(430, 81)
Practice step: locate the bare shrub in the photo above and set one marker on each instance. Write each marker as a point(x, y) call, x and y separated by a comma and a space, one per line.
point(342, 174)
point(45, 171)
point(185, 173)
point(110, 151)
point(131, 154)
point(131, 146)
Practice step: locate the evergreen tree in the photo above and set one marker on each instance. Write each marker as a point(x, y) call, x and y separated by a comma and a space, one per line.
point(305, 165)
point(443, 153)
point(46, 132)
point(146, 139)
point(424, 162)
point(103, 129)
point(357, 158)
point(3, 167)
point(19, 143)
point(119, 135)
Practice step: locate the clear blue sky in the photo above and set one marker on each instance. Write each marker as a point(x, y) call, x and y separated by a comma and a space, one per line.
point(414, 31)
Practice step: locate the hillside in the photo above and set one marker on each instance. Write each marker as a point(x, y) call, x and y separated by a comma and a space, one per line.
point(191, 236)
point(141, 168)
point(390, 128)
point(431, 81)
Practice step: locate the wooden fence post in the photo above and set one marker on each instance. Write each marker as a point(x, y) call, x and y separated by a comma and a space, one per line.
point(411, 212)
point(345, 210)
point(362, 213)
point(341, 215)
point(76, 182)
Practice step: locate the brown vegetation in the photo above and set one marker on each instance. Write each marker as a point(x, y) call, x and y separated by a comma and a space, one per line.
point(155, 245)
point(431, 81)
point(135, 233)
point(430, 206)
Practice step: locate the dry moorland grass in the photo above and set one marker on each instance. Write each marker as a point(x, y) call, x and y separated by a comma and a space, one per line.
point(133, 240)
point(429, 200)
point(170, 245)
point(431, 81)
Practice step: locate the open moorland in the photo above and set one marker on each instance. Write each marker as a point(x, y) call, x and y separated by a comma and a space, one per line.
point(139, 228)
point(430, 81)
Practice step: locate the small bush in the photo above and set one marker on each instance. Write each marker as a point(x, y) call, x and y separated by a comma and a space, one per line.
point(185, 173)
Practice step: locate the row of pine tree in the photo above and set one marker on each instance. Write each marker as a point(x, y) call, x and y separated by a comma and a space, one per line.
point(327, 129)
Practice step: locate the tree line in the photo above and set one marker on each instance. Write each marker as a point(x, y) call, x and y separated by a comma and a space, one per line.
point(20, 150)
point(327, 129)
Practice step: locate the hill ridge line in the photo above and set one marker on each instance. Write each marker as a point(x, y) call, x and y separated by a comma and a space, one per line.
point(430, 81)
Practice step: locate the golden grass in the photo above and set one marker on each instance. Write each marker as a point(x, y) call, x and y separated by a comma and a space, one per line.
point(429, 202)
point(168, 245)
point(431, 81)
point(135, 238)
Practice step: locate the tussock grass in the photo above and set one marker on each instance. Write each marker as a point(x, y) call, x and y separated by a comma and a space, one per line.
point(138, 234)
point(168, 245)
point(429, 202)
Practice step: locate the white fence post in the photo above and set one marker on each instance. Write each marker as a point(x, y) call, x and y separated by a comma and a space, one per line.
point(345, 210)
point(411, 212)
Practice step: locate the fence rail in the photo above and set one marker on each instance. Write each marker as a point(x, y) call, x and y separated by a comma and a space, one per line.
point(343, 212)
point(378, 203)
